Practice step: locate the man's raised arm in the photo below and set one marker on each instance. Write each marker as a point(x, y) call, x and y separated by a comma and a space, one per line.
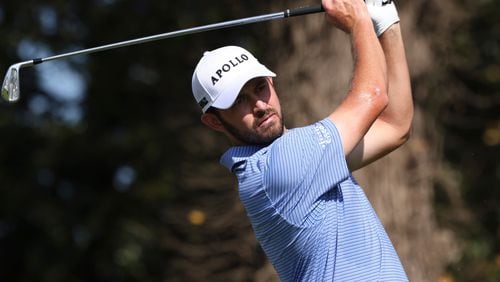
point(367, 96)
point(392, 127)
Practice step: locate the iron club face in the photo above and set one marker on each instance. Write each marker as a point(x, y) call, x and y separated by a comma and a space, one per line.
point(10, 86)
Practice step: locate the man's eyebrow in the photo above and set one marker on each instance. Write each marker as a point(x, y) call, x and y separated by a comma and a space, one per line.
point(260, 81)
point(241, 94)
point(256, 83)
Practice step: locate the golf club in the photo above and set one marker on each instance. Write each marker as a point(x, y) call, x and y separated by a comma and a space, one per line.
point(10, 86)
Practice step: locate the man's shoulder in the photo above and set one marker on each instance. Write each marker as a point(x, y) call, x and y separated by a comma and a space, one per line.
point(237, 155)
point(297, 139)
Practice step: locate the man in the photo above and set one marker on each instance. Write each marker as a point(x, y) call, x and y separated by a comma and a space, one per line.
point(310, 216)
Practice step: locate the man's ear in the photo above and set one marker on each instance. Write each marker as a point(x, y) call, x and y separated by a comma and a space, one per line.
point(212, 121)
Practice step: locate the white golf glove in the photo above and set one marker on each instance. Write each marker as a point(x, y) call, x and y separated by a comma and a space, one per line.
point(383, 14)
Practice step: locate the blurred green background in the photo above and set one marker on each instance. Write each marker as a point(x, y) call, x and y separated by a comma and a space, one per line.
point(107, 175)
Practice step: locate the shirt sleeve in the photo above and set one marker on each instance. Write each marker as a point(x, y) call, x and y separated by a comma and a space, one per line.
point(305, 166)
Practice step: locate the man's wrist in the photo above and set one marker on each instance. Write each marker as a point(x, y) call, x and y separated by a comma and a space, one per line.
point(363, 28)
point(391, 31)
point(383, 14)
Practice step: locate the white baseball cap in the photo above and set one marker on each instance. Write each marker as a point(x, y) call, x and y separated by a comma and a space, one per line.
point(221, 73)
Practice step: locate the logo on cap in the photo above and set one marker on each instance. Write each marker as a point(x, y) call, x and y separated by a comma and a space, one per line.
point(228, 66)
point(203, 102)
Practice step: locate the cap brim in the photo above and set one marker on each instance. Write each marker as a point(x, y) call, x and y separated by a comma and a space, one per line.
point(226, 100)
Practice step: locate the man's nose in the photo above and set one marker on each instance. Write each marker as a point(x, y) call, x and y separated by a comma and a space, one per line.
point(260, 107)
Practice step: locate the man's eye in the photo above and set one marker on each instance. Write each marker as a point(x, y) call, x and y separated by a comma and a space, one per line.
point(239, 100)
point(261, 87)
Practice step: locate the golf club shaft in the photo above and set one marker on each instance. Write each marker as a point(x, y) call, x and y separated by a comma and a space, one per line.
point(10, 88)
point(262, 18)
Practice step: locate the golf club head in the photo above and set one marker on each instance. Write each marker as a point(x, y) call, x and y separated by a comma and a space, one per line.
point(10, 86)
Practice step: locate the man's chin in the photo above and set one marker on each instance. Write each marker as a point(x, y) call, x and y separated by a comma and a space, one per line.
point(271, 136)
point(258, 136)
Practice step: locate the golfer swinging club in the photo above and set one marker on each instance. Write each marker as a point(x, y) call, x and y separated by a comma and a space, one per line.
point(310, 216)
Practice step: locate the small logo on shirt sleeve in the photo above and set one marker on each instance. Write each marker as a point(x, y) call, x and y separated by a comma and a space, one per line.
point(324, 137)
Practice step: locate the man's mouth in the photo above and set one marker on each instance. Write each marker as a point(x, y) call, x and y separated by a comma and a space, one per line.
point(266, 119)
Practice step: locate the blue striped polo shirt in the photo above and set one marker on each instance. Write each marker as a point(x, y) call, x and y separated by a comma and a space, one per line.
point(312, 219)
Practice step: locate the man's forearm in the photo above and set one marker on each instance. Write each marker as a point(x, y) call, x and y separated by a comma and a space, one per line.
point(367, 96)
point(399, 112)
point(370, 68)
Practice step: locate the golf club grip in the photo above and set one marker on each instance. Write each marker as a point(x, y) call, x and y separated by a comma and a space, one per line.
point(304, 11)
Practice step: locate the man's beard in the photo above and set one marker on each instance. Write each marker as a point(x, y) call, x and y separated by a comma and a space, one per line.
point(254, 138)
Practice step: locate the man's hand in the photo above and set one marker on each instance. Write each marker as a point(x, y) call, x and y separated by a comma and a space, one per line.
point(345, 14)
point(383, 14)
